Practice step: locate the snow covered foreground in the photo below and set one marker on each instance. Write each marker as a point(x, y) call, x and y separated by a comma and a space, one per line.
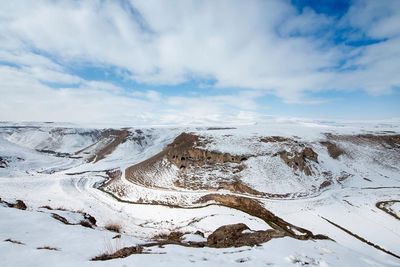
point(48, 165)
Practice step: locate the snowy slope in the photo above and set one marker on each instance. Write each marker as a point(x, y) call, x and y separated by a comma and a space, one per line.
point(69, 184)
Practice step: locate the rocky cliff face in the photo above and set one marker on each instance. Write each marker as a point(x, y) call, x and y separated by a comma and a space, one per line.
point(184, 152)
point(196, 167)
point(299, 160)
point(270, 166)
point(296, 155)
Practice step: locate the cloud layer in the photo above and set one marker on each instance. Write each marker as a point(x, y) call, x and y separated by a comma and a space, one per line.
point(253, 48)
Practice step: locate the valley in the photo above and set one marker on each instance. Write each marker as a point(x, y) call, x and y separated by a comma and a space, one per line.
point(284, 193)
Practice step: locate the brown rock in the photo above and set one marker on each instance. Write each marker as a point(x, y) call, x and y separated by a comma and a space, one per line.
point(298, 160)
point(333, 150)
point(275, 139)
point(19, 205)
point(232, 236)
point(183, 152)
point(308, 153)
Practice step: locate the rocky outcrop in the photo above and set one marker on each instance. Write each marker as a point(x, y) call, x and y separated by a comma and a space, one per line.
point(276, 139)
point(19, 204)
point(299, 160)
point(334, 150)
point(184, 152)
point(3, 163)
point(297, 156)
point(192, 163)
point(238, 235)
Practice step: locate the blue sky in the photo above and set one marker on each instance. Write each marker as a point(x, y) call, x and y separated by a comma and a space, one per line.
point(178, 62)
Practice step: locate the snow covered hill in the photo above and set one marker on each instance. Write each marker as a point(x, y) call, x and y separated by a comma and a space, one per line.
point(306, 192)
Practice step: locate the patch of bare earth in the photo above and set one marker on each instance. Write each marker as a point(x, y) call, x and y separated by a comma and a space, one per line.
point(116, 137)
point(14, 241)
point(334, 150)
point(122, 253)
point(48, 248)
point(170, 237)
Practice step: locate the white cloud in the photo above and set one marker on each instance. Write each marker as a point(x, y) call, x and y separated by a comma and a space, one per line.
point(150, 95)
point(265, 46)
point(23, 98)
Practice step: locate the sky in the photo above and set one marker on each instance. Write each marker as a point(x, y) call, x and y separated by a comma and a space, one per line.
point(198, 62)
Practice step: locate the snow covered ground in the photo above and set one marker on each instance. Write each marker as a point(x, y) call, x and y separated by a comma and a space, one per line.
point(69, 184)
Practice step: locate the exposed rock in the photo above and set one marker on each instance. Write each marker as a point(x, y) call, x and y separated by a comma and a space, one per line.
point(86, 224)
point(200, 233)
point(220, 128)
point(193, 162)
point(89, 218)
point(343, 176)
point(3, 163)
point(333, 150)
point(48, 248)
point(19, 205)
point(233, 236)
point(299, 160)
point(54, 153)
point(14, 241)
point(183, 152)
point(122, 253)
point(171, 237)
point(276, 139)
point(310, 154)
point(325, 184)
point(118, 137)
point(60, 218)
